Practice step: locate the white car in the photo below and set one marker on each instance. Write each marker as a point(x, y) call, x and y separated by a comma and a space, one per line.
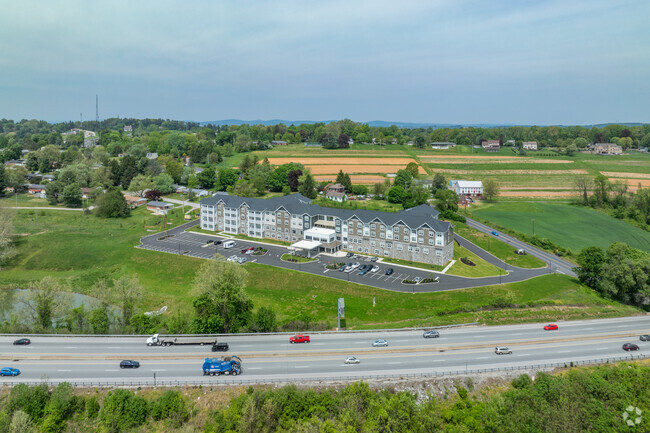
point(502, 350)
point(232, 259)
point(248, 252)
point(374, 268)
point(356, 265)
point(352, 360)
point(380, 343)
point(241, 260)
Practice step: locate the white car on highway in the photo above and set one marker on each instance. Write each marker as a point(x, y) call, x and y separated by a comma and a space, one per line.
point(380, 343)
point(352, 360)
point(502, 350)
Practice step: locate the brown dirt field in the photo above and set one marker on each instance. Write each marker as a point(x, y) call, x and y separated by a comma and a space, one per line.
point(342, 161)
point(356, 179)
point(442, 160)
point(360, 168)
point(537, 193)
point(627, 175)
point(505, 172)
point(633, 182)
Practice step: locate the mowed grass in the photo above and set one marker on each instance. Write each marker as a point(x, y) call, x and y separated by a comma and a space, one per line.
point(570, 226)
point(551, 297)
point(500, 249)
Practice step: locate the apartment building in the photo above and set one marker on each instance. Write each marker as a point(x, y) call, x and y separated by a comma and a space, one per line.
point(413, 234)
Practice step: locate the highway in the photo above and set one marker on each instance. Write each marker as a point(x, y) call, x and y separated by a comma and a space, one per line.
point(272, 357)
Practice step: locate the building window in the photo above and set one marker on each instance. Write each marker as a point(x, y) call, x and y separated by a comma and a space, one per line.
point(385, 253)
point(376, 251)
point(425, 250)
point(406, 238)
point(389, 244)
point(420, 232)
point(382, 244)
point(396, 229)
point(421, 240)
point(410, 248)
point(430, 241)
point(372, 226)
point(360, 249)
point(417, 249)
point(400, 247)
point(373, 234)
point(438, 253)
point(382, 235)
point(373, 243)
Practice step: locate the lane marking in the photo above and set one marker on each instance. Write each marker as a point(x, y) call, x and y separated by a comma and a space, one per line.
point(70, 347)
point(397, 362)
point(158, 369)
point(64, 370)
point(301, 366)
point(253, 368)
point(114, 347)
point(111, 370)
point(517, 334)
point(563, 351)
point(482, 357)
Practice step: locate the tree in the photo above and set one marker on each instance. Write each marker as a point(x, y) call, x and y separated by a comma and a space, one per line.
point(590, 261)
point(243, 188)
point(227, 177)
point(601, 189)
point(396, 194)
point(164, 183)
point(21, 423)
point(279, 178)
point(420, 141)
point(446, 202)
point(439, 182)
point(16, 178)
point(412, 168)
point(583, 185)
point(641, 203)
point(53, 191)
point(222, 306)
point(7, 249)
point(307, 186)
point(128, 170)
point(571, 149)
point(416, 196)
point(264, 320)
point(4, 181)
point(343, 141)
point(111, 204)
point(207, 177)
point(72, 195)
point(44, 302)
point(490, 189)
point(129, 292)
point(152, 195)
point(140, 184)
point(292, 179)
point(359, 189)
point(403, 178)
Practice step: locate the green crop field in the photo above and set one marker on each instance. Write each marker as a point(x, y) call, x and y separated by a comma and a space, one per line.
point(570, 226)
point(81, 249)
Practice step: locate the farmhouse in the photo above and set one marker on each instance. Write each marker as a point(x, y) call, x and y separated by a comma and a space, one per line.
point(159, 207)
point(335, 192)
point(606, 149)
point(413, 234)
point(468, 188)
point(491, 145)
point(529, 145)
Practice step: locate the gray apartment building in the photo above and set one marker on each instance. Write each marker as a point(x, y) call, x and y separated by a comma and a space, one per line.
point(413, 234)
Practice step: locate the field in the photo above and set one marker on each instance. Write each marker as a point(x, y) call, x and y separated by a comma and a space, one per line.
point(82, 249)
point(566, 225)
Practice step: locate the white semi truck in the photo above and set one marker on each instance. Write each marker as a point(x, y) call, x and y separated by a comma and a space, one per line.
point(155, 340)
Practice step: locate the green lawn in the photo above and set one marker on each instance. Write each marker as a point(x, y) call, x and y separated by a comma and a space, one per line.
point(570, 226)
point(83, 249)
point(498, 248)
point(297, 259)
point(481, 268)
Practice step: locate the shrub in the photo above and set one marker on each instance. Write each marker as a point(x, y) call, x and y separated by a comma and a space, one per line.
point(123, 410)
point(92, 407)
point(170, 405)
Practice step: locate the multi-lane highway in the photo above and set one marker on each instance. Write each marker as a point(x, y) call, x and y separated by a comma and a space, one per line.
point(272, 357)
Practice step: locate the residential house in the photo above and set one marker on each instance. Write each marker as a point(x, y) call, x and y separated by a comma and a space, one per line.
point(335, 192)
point(36, 189)
point(606, 149)
point(278, 143)
point(16, 162)
point(159, 207)
point(88, 192)
point(491, 145)
point(48, 178)
point(25, 151)
point(128, 128)
point(529, 145)
point(414, 234)
point(468, 188)
point(152, 155)
point(134, 201)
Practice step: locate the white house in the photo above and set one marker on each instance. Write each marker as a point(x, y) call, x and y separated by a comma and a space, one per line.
point(335, 192)
point(529, 145)
point(471, 188)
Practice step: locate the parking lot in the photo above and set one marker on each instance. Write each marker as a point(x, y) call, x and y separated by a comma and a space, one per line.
point(179, 241)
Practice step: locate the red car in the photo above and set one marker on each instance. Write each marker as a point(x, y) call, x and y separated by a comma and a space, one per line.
point(299, 338)
point(550, 327)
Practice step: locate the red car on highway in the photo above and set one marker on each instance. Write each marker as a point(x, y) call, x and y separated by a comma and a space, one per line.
point(551, 327)
point(299, 338)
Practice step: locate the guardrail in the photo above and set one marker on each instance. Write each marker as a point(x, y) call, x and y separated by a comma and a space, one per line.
point(237, 380)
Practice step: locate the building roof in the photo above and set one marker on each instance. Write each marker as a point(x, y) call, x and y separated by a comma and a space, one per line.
point(35, 186)
point(306, 245)
point(298, 204)
point(469, 184)
point(158, 204)
point(333, 193)
point(319, 231)
point(530, 142)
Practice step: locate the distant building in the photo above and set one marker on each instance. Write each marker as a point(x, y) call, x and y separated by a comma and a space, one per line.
point(36, 189)
point(279, 143)
point(152, 155)
point(134, 201)
point(159, 207)
point(441, 145)
point(91, 140)
point(491, 145)
point(606, 149)
point(335, 192)
point(313, 144)
point(468, 188)
point(529, 145)
point(48, 177)
point(16, 162)
point(128, 128)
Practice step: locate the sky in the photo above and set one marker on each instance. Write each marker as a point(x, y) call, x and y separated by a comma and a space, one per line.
point(432, 61)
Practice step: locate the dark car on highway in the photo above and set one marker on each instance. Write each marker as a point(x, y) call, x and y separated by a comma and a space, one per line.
point(220, 347)
point(22, 342)
point(389, 271)
point(629, 346)
point(128, 363)
point(644, 338)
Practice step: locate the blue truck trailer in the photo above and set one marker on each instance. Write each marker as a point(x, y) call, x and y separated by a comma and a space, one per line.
point(225, 365)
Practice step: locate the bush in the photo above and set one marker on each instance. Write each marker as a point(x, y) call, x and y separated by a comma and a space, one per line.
point(123, 410)
point(92, 408)
point(170, 405)
point(523, 381)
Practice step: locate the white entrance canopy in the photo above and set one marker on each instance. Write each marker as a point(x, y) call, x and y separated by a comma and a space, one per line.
point(306, 245)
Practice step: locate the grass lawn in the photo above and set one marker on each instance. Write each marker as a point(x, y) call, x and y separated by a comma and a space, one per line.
point(482, 268)
point(83, 249)
point(296, 259)
point(498, 248)
point(570, 226)
point(26, 200)
point(239, 236)
point(378, 205)
point(546, 298)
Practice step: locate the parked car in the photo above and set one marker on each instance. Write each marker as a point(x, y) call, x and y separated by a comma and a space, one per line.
point(374, 259)
point(380, 343)
point(233, 258)
point(364, 271)
point(248, 252)
point(495, 233)
point(342, 268)
point(217, 242)
point(356, 265)
point(644, 338)
point(390, 271)
point(128, 363)
point(349, 255)
point(431, 334)
point(629, 346)
point(417, 280)
point(551, 327)
point(241, 260)
point(502, 350)
point(9, 371)
point(209, 242)
point(352, 360)
point(299, 338)
point(22, 342)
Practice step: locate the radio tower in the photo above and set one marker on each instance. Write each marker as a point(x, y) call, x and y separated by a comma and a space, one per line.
point(97, 108)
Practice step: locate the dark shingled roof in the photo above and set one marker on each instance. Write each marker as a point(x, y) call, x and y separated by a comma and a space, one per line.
point(298, 204)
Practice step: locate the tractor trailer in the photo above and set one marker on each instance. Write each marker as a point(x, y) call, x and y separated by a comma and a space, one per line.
point(155, 340)
point(226, 365)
